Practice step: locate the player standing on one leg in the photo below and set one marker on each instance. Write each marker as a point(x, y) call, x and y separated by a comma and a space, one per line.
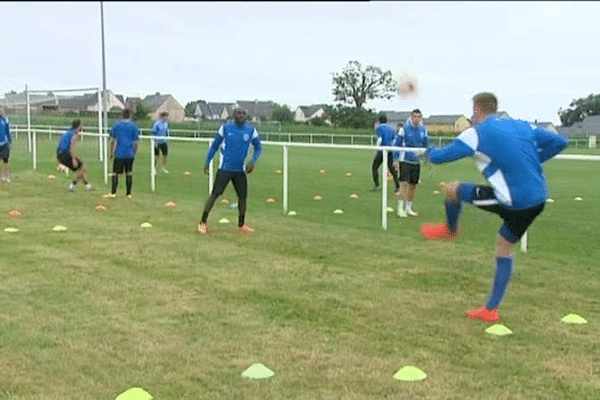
point(161, 132)
point(415, 135)
point(66, 154)
point(123, 146)
point(234, 140)
point(385, 136)
point(5, 142)
point(509, 153)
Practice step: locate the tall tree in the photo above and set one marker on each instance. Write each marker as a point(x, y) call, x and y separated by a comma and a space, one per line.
point(355, 85)
point(190, 108)
point(579, 109)
point(282, 113)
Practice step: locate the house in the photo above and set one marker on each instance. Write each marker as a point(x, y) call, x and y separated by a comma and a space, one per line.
point(452, 123)
point(306, 113)
point(396, 117)
point(214, 111)
point(546, 125)
point(88, 102)
point(158, 103)
point(257, 110)
point(589, 126)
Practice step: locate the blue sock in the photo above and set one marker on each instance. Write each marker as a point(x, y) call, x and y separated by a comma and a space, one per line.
point(504, 267)
point(452, 215)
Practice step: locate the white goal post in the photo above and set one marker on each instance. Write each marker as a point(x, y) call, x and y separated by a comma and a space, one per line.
point(31, 139)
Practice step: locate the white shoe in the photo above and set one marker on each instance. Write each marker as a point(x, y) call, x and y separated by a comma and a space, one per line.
point(412, 213)
point(165, 170)
point(71, 187)
point(402, 213)
point(88, 186)
point(7, 180)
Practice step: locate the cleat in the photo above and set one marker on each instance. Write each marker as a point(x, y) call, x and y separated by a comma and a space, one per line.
point(109, 196)
point(401, 213)
point(165, 170)
point(202, 229)
point(437, 231)
point(374, 188)
point(412, 213)
point(483, 314)
point(88, 187)
point(71, 187)
point(129, 196)
point(245, 229)
point(7, 180)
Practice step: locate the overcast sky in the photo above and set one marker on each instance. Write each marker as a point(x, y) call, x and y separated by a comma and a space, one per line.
point(536, 56)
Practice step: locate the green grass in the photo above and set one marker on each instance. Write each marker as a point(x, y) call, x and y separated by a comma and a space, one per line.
point(331, 303)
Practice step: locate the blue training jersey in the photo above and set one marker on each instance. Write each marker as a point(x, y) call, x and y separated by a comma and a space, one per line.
point(160, 129)
point(385, 134)
point(4, 131)
point(509, 153)
point(126, 134)
point(64, 145)
point(414, 136)
point(234, 142)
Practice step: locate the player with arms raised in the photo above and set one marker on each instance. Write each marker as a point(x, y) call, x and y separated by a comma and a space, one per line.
point(509, 153)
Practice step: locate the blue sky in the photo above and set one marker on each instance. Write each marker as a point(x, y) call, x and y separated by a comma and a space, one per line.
point(536, 56)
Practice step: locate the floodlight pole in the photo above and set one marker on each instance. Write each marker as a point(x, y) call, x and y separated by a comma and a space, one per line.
point(104, 96)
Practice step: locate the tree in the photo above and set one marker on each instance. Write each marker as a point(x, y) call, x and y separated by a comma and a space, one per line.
point(141, 111)
point(190, 109)
point(355, 85)
point(282, 113)
point(579, 109)
point(350, 117)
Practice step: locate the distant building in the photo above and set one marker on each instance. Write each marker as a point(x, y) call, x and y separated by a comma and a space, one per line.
point(589, 126)
point(396, 117)
point(258, 110)
point(446, 123)
point(306, 113)
point(158, 103)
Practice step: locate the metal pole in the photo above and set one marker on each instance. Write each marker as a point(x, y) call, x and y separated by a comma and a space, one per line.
point(210, 171)
point(384, 185)
point(104, 96)
point(100, 147)
point(28, 120)
point(152, 166)
point(285, 180)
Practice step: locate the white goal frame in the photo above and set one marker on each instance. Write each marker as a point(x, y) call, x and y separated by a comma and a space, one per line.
point(32, 141)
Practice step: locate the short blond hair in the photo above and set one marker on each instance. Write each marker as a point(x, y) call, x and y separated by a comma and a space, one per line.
point(486, 102)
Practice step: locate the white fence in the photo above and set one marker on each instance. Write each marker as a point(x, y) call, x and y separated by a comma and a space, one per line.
point(285, 147)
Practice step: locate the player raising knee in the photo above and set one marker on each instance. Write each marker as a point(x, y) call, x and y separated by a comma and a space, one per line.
point(509, 153)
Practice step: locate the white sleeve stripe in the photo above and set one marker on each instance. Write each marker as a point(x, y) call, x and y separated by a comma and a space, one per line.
point(254, 134)
point(220, 131)
point(470, 138)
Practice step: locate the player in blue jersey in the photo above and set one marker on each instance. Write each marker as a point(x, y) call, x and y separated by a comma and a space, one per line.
point(5, 142)
point(233, 139)
point(509, 153)
point(385, 136)
point(161, 132)
point(66, 154)
point(125, 135)
point(415, 135)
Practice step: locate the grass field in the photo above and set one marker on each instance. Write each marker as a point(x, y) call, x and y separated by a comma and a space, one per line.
point(333, 304)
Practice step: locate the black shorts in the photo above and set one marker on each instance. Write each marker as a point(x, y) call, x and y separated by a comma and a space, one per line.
point(237, 178)
point(410, 172)
point(122, 164)
point(66, 160)
point(5, 152)
point(161, 147)
point(516, 222)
